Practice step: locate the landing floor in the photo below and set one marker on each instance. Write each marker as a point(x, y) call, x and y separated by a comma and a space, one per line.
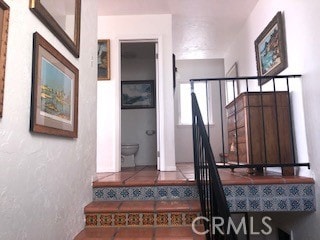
point(184, 175)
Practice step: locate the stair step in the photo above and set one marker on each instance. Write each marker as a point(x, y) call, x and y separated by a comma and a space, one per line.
point(141, 233)
point(141, 213)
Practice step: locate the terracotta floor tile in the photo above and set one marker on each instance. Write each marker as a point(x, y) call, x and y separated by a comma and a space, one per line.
point(140, 181)
point(134, 233)
point(194, 205)
point(148, 175)
point(137, 206)
point(102, 207)
point(96, 234)
point(174, 233)
point(172, 206)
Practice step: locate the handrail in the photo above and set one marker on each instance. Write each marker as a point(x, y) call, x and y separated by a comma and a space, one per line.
point(212, 197)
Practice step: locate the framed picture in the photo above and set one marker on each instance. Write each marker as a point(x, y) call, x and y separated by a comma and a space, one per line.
point(137, 94)
point(4, 24)
point(104, 59)
point(232, 86)
point(54, 101)
point(270, 48)
point(63, 18)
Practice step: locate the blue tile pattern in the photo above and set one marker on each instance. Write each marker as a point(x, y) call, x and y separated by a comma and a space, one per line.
point(240, 198)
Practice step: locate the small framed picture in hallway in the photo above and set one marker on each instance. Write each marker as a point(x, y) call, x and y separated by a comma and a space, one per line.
point(104, 59)
point(137, 94)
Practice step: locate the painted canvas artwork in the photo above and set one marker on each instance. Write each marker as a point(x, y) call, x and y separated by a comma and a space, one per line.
point(137, 94)
point(269, 51)
point(56, 93)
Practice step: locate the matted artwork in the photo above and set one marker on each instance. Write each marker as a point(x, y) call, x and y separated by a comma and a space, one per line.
point(4, 25)
point(137, 94)
point(54, 105)
point(270, 47)
point(104, 59)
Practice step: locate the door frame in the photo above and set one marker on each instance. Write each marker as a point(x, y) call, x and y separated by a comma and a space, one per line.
point(157, 92)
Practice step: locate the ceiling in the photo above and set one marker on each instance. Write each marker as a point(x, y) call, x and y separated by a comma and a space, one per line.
point(201, 28)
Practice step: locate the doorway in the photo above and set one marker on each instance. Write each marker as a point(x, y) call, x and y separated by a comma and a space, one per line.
point(139, 101)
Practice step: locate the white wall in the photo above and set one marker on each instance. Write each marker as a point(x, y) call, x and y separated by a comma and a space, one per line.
point(189, 69)
point(118, 28)
point(302, 34)
point(45, 181)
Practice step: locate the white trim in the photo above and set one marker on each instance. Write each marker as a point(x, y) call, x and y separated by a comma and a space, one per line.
point(159, 93)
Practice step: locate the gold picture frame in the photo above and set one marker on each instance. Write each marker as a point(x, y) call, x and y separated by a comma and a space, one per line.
point(104, 72)
point(4, 25)
point(58, 15)
point(55, 86)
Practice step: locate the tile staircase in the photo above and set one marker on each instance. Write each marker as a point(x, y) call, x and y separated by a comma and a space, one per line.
point(142, 209)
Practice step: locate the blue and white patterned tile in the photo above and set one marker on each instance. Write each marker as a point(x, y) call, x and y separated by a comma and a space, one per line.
point(308, 204)
point(294, 190)
point(240, 191)
point(228, 191)
point(254, 205)
point(280, 190)
point(307, 190)
point(269, 205)
point(253, 191)
point(266, 191)
point(282, 204)
point(232, 205)
point(98, 193)
point(295, 204)
point(241, 205)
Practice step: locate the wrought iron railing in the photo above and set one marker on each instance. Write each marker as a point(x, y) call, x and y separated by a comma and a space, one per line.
point(264, 147)
point(212, 198)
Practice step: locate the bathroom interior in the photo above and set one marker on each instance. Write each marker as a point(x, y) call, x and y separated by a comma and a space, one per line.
point(138, 123)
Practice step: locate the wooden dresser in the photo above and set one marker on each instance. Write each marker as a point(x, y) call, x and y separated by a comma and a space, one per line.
point(259, 129)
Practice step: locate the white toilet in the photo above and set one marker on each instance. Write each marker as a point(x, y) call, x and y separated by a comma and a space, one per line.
point(128, 152)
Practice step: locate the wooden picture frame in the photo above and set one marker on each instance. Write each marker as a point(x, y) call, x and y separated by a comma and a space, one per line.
point(51, 14)
point(104, 72)
point(54, 101)
point(4, 26)
point(137, 94)
point(270, 48)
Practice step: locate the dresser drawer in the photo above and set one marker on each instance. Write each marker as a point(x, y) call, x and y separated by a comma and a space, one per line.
point(238, 121)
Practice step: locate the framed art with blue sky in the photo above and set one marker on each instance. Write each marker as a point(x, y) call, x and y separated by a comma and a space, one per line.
point(54, 102)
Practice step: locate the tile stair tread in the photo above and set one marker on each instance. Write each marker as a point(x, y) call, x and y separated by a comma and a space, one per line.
point(142, 183)
point(148, 233)
point(143, 206)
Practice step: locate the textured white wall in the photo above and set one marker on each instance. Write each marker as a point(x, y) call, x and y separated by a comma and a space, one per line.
point(45, 181)
point(198, 68)
point(118, 28)
point(302, 34)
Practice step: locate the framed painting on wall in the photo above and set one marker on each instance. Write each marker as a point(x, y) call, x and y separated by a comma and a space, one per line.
point(137, 94)
point(270, 48)
point(54, 102)
point(104, 59)
point(4, 25)
point(63, 18)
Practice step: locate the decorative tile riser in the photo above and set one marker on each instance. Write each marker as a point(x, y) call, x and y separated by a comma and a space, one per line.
point(140, 219)
point(145, 193)
point(271, 198)
point(250, 198)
